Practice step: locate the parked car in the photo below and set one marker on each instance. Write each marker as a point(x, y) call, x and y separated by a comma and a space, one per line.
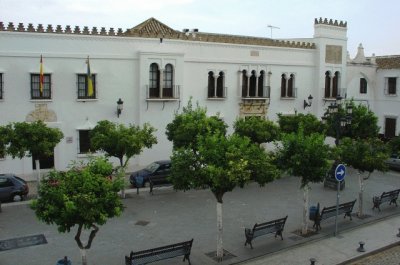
point(11, 187)
point(394, 162)
point(157, 172)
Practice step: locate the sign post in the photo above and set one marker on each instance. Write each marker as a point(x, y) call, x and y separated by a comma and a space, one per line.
point(340, 173)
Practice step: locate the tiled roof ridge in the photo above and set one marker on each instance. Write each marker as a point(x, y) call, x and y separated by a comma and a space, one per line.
point(152, 25)
point(152, 28)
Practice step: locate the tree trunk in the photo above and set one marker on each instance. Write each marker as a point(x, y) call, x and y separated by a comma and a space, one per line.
point(122, 172)
point(37, 163)
point(220, 250)
point(360, 195)
point(83, 255)
point(88, 245)
point(304, 228)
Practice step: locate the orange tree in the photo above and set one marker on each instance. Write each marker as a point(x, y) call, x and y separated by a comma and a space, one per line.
point(204, 157)
point(84, 196)
point(306, 157)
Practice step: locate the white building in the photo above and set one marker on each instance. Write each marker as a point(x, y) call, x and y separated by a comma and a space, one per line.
point(155, 70)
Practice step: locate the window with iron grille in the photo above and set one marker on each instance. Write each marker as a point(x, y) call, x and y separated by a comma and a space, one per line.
point(168, 81)
point(363, 86)
point(1, 85)
point(84, 141)
point(392, 85)
point(36, 93)
point(332, 84)
point(245, 85)
point(216, 85)
point(154, 82)
point(83, 87)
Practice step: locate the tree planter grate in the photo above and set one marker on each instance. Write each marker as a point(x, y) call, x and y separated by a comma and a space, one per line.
point(227, 255)
point(21, 242)
point(142, 223)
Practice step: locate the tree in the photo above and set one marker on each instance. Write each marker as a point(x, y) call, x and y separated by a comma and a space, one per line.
point(220, 163)
point(34, 138)
point(291, 123)
point(204, 157)
point(84, 196)
point(364, 155)
point(185, 127)
point(394, 145)
point(5, 132)
point(120, 141)
point(257, 129)
point(306, 157)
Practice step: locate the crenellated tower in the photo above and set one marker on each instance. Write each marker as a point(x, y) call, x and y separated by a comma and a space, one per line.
point(330, 38)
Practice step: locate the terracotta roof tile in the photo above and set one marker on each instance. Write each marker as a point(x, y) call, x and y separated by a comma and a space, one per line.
point(388, 62)
point(152, 26)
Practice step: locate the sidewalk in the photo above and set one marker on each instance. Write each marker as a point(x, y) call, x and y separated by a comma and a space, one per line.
point(338, 250)
point(168, 217)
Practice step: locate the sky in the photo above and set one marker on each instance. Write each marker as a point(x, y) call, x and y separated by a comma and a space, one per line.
point(374, 23)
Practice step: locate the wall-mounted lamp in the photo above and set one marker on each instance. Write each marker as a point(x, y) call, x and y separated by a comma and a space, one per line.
point(308, 103)
point(120, 107)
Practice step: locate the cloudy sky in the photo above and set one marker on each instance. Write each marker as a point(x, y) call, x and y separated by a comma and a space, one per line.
point(374, 23)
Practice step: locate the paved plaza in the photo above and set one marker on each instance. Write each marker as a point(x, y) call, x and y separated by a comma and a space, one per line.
point(171, 216)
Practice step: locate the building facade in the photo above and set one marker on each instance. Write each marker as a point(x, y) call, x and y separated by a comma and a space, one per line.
point(156, 70)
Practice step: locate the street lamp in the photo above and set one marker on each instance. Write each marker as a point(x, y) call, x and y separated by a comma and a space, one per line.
point(120, 106)
point(339, 119)
point(308, 103)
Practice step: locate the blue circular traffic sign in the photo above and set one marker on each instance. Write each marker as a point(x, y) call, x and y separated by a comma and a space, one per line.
point(340, 172)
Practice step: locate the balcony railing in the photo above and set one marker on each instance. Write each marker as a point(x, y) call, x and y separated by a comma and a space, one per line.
point(168, 93)
point(290, 94)
point(219, 93)
point(263, 93)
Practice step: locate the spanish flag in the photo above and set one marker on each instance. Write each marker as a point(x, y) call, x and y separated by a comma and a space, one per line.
point(41, 78)
point(89, 79)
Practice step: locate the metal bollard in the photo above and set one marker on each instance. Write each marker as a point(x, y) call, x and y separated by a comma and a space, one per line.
point(361, 247)
point(312, 260)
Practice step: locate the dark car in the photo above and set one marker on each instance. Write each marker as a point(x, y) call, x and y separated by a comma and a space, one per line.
point(393, 162)
point(157, 172)
point(11, 187)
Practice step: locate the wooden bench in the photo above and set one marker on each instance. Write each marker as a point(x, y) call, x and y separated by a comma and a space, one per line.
point(327, 212)
point(275, 226)
point(160, 253)
point(387, 196)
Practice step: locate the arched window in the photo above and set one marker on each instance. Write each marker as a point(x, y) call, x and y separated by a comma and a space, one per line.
point(261, 84)
point(335, 85)
point(283, 86)
point(290, 90)
point(327, 84)
point(211, 84)
point(154, 82)
point(253, 81)
point(220, 85)
point(363, 85)
point(244, 83)
point(168, 81)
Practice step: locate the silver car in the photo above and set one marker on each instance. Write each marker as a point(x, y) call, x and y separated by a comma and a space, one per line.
point(393, 162)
